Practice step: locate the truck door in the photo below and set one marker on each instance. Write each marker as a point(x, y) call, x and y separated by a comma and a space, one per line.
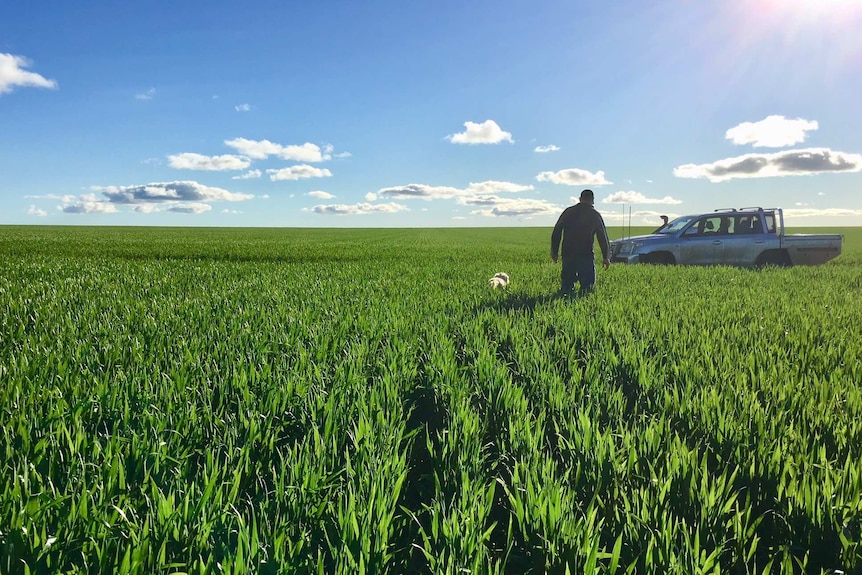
point(700, 243)
point(745, 240)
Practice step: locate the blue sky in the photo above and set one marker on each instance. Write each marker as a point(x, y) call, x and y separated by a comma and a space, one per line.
point(426, 114)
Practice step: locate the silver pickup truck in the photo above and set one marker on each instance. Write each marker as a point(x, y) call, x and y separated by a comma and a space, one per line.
point(743, 237)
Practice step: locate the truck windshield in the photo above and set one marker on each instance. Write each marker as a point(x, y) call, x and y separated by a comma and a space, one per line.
point(675, 225)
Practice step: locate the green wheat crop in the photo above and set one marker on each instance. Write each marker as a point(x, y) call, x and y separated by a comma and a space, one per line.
point(358, 401)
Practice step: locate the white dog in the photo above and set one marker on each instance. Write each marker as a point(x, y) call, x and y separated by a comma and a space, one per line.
point(499, 281)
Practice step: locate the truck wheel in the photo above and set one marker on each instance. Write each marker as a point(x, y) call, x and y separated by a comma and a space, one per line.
point(661, 259)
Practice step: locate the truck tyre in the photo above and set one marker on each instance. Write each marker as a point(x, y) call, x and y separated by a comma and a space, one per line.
point(661, 259)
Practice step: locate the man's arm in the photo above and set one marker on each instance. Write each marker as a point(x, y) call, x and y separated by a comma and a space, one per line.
point(556, 236)
point(604, 244)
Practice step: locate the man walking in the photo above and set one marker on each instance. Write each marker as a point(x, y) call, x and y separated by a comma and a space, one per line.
point(577, 227)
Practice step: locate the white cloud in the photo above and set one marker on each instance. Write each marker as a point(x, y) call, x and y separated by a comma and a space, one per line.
point(262, 149)
point(574, 177)
point(249, 175)
point(371, 197)
point(192, 161)
point(488, 132)
point(320, 195)
point(257, 150)
point(173, 192)
point(12, 74)
point(190, 208)
point(300, 172)
point(187, 197)
point(637, 198)
point(87, 205)
point(420, 192)
point(342, 155)
point(495, 207)
point(307, 152)
point(546, 149)
point(426, 192)
point(148, 208)
point(787, 163)
point(639, 217)
point(242, 108)
point(34, 211)
point(772, 132)
point(495, 187)
point(359, 209)
point(793, 213)
point(148, 95)
point(227, 211)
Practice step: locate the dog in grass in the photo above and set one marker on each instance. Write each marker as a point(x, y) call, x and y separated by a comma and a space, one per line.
point(499, 281)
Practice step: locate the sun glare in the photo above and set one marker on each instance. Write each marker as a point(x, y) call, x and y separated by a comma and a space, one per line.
point(828, 9)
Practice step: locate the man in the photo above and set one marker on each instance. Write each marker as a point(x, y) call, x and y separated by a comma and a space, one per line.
point(577, 227)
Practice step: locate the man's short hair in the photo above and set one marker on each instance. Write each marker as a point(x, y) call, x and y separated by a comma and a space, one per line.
point(587, 195)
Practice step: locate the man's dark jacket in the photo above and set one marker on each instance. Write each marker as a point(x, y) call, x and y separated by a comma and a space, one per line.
point(577, 226)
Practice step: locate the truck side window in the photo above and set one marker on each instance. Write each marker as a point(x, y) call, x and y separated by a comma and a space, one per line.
point(756, 227)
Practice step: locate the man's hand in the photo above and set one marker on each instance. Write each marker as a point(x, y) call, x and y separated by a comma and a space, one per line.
point(606, 262)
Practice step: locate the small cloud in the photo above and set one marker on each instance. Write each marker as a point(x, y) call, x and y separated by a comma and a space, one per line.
point(148, 95)
point(495, 207)
point(242, 108)
point(187, 197)
point(495, 187)
point(787, 163)
point(152, 161)
point(300, 172)
point(320, 195)
point(458, 218)
point(794, 213)
point(13, 74)
point(262, 149)
point(87, 205)
point(227, 211)
point(192, 161)
point(420, 192)
point(574, 177)
point(249, 175)
point(359, 209)
point(546, 149)
point(184, 192)
point(190, 208)
point(488, 132)
point(637, 198)
point(371, 197)
point(34, 211)
point(772, 132)
point(639, 217)
point(342, 155)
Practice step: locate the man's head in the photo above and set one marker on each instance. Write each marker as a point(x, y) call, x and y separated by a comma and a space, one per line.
point(587, 197)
